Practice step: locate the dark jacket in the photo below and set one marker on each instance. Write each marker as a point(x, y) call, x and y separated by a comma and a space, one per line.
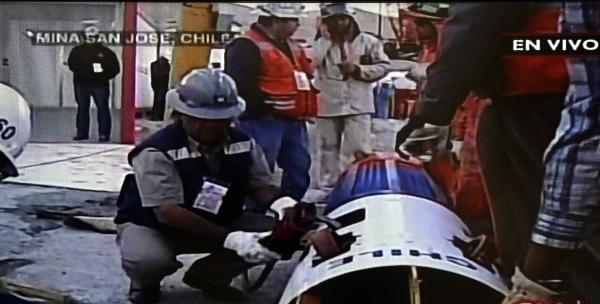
point(84, 57)
point(172, 141)
point(470, 57)
point(159, 74)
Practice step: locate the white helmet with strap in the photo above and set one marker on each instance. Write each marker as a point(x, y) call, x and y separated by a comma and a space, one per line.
point(281, 10)
point(15, 129)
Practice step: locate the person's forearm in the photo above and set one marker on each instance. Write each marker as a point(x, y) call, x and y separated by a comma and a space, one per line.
point(543, 262)
point(74, 64)
point(242, 63)
point(265, 195)
point(468, 54)
point(372, 72)
point(175, 216)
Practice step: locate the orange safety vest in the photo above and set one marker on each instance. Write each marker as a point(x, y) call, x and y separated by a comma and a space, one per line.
point(537, 73)
point(277, 78)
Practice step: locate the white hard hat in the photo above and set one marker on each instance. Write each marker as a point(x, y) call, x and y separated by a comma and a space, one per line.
point(336, 8)
point(15, 129)
point(208, 94)
point(281, 10)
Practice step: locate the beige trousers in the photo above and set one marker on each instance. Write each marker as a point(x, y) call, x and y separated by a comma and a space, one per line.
point(149, 255)
point(338, 138)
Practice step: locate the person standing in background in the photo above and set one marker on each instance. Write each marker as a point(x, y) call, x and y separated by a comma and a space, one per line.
point(93, 66)
point(348, 62)
point(159, 77)
point(272, 74)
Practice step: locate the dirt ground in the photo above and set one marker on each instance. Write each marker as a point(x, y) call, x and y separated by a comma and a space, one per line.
point(83, 264)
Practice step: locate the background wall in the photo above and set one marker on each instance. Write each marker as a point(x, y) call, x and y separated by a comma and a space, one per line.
point(40, 72)
point(42, 75)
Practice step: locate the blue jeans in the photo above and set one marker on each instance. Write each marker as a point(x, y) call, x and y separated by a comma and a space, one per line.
point(285, 141)
point(99, 92)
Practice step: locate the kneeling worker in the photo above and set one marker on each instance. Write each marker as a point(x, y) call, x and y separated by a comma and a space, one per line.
point(186, 196)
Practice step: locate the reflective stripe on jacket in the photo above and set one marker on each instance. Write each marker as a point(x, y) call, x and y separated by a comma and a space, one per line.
point(277, 78)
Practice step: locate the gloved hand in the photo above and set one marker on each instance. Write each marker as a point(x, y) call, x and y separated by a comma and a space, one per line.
point(246, 245)
point(280, 204)
point(418, 72)
point(415, 122)
point(287, 233)
point(526, 290)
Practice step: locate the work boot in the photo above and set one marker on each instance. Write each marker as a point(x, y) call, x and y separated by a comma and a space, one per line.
point(214, 273)
point(145, 295)
point(215, 291)
point(80, 137)
point(218, 291)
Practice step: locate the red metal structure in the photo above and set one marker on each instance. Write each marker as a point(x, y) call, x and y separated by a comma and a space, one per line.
point(128, 84)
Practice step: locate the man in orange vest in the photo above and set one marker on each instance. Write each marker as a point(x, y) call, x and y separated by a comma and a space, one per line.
point(272, 74)
point(527, 94)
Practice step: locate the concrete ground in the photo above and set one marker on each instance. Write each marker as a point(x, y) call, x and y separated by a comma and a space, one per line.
point(58, 124)
point(85, 179)
point(83, 264)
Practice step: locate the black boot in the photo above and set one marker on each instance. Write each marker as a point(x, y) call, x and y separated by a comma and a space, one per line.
point(213, 274)
point(80, 137)
point(145, 295)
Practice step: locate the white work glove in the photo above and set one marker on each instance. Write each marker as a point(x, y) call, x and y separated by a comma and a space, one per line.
point(246, 245)
point(525, 289)
point(418, 71)
point(282, 203)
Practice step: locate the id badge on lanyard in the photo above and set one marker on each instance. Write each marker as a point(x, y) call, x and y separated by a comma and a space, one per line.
point(302, 83)
point(97, 67)
point(210, 197)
